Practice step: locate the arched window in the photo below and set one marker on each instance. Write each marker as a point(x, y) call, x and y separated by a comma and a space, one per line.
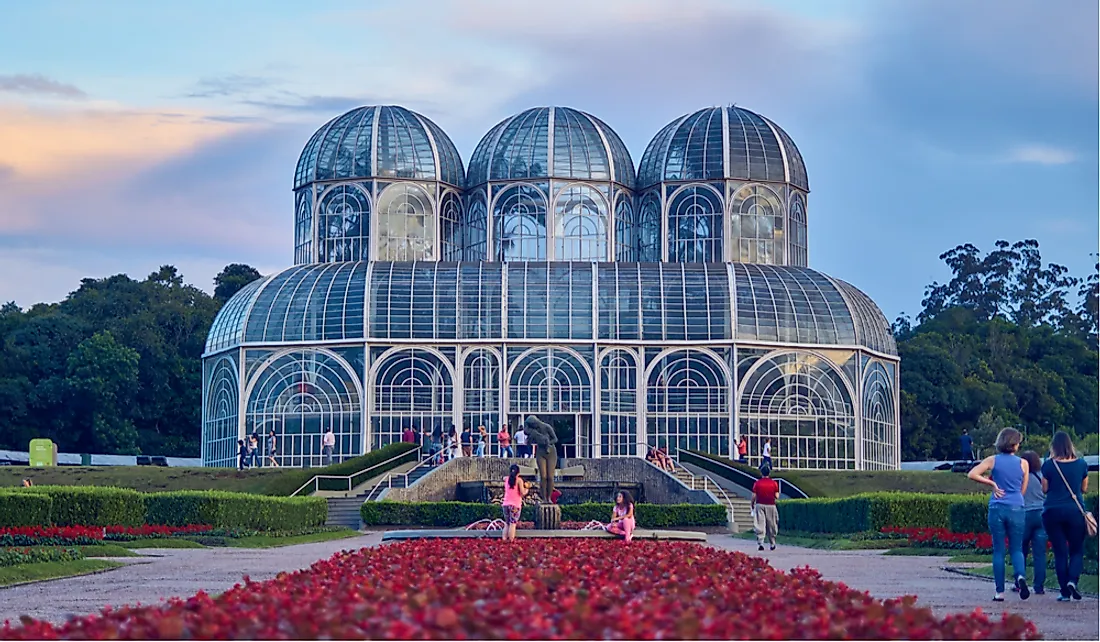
point(303, 226)
point(687, 403)
point(520, 215)
point(626, 230)
point(406, 224)
point(219, 427)
point(619, 404)
point(450, 218)
point(879, 450)
point(300, 395)
point(549, 381)
point(757, 220)
point(695, 226)
point(649, 229)
point(801, 403)
point(475, 232)
point(343, 226)
point(481, 390)
point(797, 240)
point(580, 233)
point(412, 388)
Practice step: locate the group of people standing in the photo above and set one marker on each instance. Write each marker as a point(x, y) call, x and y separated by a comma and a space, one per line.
point(469, 443)
point(248, 451)
point(1033, 502)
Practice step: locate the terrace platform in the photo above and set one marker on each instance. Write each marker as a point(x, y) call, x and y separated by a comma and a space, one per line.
point(458, 533)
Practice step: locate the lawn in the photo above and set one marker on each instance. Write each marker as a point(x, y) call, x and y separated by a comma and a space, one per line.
point(1089, 583)
point(52, 570)
point(161, 542)
point(266, 541)
point(98, 550)
point(268, 481)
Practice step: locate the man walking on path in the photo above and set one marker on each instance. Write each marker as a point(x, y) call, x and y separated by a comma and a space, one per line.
point(766, 520)
point(328, 444)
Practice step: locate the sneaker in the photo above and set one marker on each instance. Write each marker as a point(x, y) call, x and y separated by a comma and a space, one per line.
point(1021, 585)
point(1062, 598)
point(998, 597)
point(773, 548)
point(760, 548)
point(1073, 590)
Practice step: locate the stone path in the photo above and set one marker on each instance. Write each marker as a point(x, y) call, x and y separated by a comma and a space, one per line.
point(886, 576)
point(183, 572)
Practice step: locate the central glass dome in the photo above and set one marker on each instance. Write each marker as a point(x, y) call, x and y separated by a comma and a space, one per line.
point(550, 183)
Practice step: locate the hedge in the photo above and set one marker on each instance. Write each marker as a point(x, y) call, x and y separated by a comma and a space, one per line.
point(92, 505)
point(972, 516)
point(25, 509)
point(870, 512)
point(223, 509)
point(453, 514)
point(291, 482)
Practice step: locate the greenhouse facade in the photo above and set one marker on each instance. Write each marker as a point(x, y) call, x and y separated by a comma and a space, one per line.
point(670, 306)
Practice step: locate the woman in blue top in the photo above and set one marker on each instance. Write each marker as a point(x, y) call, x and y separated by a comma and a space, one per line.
point(1008, 475)
point(1065, 481)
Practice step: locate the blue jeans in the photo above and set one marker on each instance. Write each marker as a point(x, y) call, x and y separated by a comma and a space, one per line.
point(1006, 520)
point(1066, 528)
point(1035, 540)
point(480, 452)
point(506, 451)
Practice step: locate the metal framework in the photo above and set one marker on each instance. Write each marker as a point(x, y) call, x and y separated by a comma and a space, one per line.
point(670, 308)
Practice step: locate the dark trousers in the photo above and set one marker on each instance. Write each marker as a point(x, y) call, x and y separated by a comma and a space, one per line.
point(1035, 541)
point(1065, 527)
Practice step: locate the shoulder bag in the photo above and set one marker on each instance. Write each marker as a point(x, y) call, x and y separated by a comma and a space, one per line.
point(1090, 519)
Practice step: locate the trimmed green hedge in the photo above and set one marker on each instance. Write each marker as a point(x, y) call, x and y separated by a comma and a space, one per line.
point(871, 512)
point(972, 516)
point(223, 509)
point(291, 482)
point(452, 514)
point(824, 515)
point(24, 509)
point(92, 505)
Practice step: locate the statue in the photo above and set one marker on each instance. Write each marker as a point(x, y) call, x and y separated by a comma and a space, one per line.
point(543, 436)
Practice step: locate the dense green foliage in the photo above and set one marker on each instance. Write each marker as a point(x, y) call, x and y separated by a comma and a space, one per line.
point(869, 512)
point(454, 514)
point(93, 506)
point(973, 516)
point(38, 555)
point(999, 345)
point(24, 509)
point(235, 510)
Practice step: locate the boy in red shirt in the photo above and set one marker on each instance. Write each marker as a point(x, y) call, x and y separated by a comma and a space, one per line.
point(764, 493)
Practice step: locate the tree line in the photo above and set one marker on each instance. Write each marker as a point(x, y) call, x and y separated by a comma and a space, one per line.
point(116, 367)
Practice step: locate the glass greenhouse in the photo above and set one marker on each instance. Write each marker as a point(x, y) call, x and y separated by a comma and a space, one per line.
point(671, 308)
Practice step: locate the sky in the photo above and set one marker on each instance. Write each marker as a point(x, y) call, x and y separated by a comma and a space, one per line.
point(136, 134)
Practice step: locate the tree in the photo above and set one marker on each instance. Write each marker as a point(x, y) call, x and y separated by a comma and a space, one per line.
point(102, 378)
point(231, 279)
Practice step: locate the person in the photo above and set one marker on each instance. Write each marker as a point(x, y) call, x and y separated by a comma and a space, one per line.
point(743, 450)
point(272, 449)
point(253, 447)
point(505, 441)
point(515, 489)
point(521, 443)
point(622, 516)
point(467, 442)
point(437, 441)
point(665, 461)
point(454, 450)
point(328, 444)
point(1065, 481)
point(1035, 536)
point(408, 435)
point(482, 441)
point(1008, 477)
point(966, 446)
point(767, 454)
point(242, 455)
point(27, 483)
point(766, 522)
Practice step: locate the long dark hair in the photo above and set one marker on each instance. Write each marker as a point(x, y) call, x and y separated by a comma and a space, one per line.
point(1033, 462)
point(513, 474)
point(1061, 447)
point(628, 499)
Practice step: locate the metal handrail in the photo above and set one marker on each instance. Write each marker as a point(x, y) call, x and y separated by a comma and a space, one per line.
point(316, 478)
point(718, 490)
point(388, 480)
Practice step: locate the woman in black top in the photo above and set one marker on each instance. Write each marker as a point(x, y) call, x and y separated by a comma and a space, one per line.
point(1065, 481)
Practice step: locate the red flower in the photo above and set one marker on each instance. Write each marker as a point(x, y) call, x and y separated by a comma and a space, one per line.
point(546, 589)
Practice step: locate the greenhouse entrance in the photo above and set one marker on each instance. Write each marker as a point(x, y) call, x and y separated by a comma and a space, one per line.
point(574, 432)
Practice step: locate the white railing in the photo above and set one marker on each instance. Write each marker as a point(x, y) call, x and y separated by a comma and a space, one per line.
point(315, 480)
point(708, 485)
point(387, 482)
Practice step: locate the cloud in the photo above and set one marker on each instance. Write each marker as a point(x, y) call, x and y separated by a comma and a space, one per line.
point(230, 85)
point(1040, 155)
point(37, 84)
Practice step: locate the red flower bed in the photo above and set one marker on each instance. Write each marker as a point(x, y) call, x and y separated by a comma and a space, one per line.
point(50, 535)
point(573, 526)
point(943, 538)
point(557, 589)
point(155, 530)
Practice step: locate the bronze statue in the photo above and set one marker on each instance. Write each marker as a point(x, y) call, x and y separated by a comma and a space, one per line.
point(543, 436)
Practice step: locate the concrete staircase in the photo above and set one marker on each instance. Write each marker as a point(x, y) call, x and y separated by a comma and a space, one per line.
point(344, 511)
point(737, 508)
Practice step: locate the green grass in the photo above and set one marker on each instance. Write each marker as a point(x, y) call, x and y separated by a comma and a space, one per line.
point(970, 557)
point(162, 542)
point(99, 550)
point(52, 570)
point(845, 483)
point(265, 541)
point(819, 543)
point(1089, 583)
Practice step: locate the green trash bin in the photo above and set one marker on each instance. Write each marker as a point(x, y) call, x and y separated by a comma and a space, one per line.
point(85, 460)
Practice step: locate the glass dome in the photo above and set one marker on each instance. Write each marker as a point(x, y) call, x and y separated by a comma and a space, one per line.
point(382, 141)
point(435, 301)
point(551, 142)
point(720, 143)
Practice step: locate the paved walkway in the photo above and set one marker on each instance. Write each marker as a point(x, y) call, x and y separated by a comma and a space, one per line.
point(183, 572)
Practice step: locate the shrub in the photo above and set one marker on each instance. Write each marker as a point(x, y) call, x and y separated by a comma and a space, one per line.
point(222, 509)
point(911, 510)
point(969, 515)
point(869, 512)
point(453, 514)
point(25, 509)
point(14, 556)
point(93, 505)
point(50, 535)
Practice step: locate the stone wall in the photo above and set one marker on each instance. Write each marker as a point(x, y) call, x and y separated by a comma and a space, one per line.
point(442, 483)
